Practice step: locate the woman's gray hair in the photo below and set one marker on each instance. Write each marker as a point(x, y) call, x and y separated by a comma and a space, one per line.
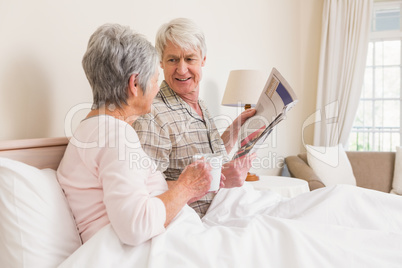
point(183, 33)
point(114, 53)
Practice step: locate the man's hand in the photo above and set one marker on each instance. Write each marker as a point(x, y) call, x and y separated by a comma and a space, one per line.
point(235, 171)
point(229, 137)
point(244, 116)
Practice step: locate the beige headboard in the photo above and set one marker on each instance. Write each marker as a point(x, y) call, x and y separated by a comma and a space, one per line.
point(41, 153)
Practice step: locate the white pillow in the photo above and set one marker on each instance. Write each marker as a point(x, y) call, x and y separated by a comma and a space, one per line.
point(397, 180)
point(36, 224)
point(331, 165)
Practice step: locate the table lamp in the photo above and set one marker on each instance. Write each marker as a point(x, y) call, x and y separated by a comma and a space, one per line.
point(243, 89)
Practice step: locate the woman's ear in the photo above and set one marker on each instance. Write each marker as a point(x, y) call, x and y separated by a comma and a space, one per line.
point(132, 84)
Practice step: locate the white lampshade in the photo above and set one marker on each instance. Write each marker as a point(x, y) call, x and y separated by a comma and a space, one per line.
point(244, 87)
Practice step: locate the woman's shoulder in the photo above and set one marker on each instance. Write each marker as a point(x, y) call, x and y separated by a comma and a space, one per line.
point(103, 131)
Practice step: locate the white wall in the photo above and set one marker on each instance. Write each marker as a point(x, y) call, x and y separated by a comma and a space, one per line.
point(42, 43)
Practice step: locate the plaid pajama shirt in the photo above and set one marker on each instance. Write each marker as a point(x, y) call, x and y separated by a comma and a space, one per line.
point(173, 132)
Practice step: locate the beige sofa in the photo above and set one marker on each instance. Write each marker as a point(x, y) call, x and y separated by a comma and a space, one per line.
point(373, 170)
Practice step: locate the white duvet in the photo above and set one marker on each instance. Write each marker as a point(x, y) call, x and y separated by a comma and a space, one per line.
point(341, 226)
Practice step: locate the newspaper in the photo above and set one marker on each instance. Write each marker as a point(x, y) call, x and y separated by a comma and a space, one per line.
point(276, 99)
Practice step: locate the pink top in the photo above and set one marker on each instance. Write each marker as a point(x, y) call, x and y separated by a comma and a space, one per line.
point(107, 177)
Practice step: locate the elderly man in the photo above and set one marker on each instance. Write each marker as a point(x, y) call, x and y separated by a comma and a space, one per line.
point(179, 125)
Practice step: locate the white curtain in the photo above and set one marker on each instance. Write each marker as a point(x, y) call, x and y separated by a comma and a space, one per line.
point(344, 43)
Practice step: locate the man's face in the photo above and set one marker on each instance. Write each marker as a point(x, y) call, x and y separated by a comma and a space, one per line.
point(182, 69)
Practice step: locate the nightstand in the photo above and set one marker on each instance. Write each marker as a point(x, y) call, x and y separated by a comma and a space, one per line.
point(286, 186)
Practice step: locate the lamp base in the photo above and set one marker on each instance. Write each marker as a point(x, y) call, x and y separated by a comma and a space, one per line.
point(252, 177)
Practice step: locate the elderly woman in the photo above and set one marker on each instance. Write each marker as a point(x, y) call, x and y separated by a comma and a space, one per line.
point(106, 176)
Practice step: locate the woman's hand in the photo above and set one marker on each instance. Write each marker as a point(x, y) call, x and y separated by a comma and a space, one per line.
point(192, 184)
point(187, 176)
point(195, 179)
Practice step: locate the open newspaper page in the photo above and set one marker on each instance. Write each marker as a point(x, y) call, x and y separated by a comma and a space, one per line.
point(275, 100)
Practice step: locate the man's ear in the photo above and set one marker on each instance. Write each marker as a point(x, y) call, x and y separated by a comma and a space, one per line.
point(132, 84)
point(203, 61)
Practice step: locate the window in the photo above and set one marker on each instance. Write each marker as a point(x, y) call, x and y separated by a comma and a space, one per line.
point(377, 126)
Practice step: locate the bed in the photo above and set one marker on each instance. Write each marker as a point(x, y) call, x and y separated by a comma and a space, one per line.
point(243, 227)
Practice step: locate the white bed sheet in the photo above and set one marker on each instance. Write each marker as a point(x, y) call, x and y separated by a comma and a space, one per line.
point(340, 226)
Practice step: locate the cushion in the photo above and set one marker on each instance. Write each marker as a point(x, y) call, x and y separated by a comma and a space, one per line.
point(37, 228)
point(397, 180)
point(331, 164)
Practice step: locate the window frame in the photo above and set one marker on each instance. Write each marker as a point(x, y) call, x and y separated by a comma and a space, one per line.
point(378, 36)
